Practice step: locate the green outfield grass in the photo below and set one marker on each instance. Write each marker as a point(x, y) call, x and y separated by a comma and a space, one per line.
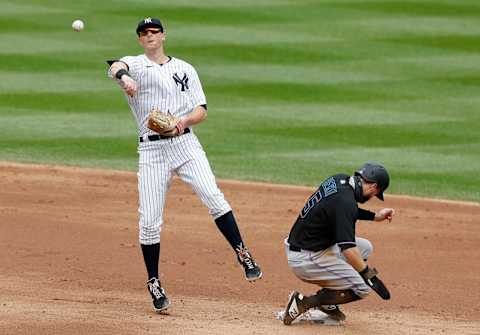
point(297, 90)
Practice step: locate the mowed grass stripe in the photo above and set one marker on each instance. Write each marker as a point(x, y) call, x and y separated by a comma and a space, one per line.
point(344, 92)
point(249, 35)
point(61, 82)
point(79, 102)
point(116, 153)
point(35, 43)
point(314, 53)
point(14, 8)
point(446, 42)
point(413, 26)
point(303, 136)
point(414, 7)
point(48, 125)
point(330, 114)
point(41, 63)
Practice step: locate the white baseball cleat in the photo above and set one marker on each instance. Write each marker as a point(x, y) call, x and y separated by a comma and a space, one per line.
point(313, 316)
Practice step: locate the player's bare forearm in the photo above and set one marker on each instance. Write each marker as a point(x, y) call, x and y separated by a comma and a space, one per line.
point(119, 71)
point(117, 66)
point(197, 115)
point(353, 257)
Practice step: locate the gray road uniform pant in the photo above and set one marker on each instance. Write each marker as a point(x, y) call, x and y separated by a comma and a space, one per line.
point(328, 268)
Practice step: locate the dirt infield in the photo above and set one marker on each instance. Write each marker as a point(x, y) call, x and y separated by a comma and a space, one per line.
point(70, 261)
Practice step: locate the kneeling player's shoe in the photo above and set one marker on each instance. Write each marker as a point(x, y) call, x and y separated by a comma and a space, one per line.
point(295, 308)
point(160, 300)
point(252, 270)
point(333, 311)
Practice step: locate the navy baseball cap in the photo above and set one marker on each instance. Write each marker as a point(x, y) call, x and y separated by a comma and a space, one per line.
point(149, 22)
point(375, 173)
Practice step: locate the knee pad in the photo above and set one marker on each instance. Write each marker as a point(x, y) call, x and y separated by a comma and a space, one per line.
point(365, 247)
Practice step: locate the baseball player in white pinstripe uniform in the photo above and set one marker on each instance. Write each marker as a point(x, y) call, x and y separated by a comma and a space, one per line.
point(154, 80)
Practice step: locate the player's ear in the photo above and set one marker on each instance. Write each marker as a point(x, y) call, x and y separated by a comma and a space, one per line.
point(164, 35)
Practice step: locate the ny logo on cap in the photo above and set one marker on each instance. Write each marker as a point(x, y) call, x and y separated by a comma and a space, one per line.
point(147, 20)
point(183, 81)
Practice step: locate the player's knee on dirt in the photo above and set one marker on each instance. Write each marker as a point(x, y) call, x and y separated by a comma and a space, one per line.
point(330, 297)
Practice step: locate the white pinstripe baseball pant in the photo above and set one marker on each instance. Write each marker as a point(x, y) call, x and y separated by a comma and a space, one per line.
point(158, 161)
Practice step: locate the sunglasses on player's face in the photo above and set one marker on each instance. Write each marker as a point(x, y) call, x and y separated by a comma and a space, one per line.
point(149, 30)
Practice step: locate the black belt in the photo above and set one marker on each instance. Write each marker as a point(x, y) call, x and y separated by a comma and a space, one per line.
point(152, 138)
point(294, 248)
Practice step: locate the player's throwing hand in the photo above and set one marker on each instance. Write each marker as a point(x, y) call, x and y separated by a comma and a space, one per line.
point(129, 85)
point(166, 98)
point(385, 214)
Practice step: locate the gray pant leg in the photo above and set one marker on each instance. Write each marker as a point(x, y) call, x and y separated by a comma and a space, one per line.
point(327, 269)
point(365, 246)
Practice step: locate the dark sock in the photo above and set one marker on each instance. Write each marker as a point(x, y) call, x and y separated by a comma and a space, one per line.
point(151, 255)
point(330, 297)
point(228, 226)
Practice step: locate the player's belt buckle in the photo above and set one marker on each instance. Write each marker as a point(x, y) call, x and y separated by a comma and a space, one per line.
point(152, 138)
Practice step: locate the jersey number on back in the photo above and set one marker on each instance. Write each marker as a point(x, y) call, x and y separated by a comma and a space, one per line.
point(314, 199)
point(329, 187)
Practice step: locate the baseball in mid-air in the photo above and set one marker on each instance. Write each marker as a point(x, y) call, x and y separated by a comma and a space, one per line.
point(78, 25)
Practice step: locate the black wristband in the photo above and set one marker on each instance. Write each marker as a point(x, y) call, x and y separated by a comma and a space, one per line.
point(365, 215)
point(120, 73)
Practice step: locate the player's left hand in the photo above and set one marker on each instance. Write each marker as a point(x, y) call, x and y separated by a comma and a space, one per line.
point(370, 277)
point(385, 214)
point(163, 123)
point(181, 125)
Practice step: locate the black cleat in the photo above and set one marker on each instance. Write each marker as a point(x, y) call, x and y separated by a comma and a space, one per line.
point(294, 308)
point(160, 300)
point(333, 311)
point(252, 270)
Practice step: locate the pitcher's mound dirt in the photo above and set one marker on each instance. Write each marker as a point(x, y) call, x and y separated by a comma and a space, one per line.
point(70, 261)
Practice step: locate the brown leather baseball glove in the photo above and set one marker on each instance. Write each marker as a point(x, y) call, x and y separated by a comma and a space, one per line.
point(163, 123)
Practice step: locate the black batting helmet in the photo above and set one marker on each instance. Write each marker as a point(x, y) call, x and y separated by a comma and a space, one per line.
point(375, 173)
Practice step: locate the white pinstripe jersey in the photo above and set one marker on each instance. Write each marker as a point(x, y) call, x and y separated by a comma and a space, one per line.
point(173, 87)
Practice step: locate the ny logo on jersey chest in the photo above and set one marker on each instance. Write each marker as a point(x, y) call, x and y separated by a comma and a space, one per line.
point(181, 81)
